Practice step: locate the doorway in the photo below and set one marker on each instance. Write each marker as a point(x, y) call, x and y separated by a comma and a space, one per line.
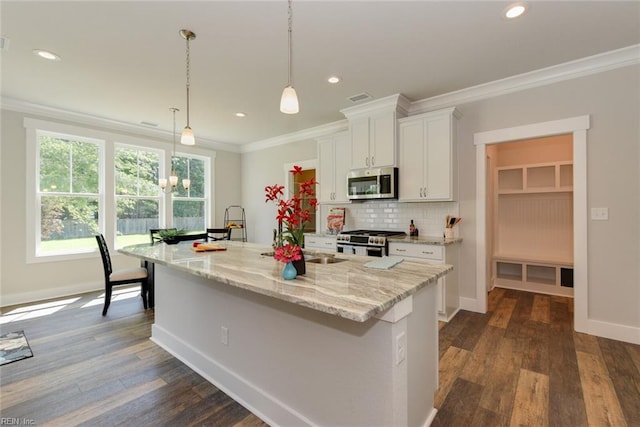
point(309, 168)
point(530, 215)
point(577, 127)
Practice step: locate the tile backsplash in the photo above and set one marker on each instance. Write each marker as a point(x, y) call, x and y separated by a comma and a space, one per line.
point(428, 217)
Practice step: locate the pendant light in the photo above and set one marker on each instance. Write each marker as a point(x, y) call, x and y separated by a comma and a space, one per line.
point(289, 101)
point(173, 178)
point(187, 137)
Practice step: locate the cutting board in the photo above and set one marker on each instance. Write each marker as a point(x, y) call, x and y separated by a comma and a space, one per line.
point(205, 247)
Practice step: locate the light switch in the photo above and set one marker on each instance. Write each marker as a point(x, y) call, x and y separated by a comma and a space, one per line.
point(600, 214)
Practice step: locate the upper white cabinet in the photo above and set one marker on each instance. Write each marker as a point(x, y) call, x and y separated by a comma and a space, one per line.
point(428, 156)
point(334, 154)
point(373, 131)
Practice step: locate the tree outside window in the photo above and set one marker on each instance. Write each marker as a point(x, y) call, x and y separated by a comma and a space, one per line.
point(68, 193)
point(137, 194)
point(189, 205)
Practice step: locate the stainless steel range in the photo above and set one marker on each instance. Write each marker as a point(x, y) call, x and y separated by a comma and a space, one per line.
point(366, 242)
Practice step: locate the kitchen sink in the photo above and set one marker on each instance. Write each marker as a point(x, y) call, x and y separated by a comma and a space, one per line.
point(326, 260)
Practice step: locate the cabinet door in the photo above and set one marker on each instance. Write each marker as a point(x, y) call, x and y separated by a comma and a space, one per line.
point(326, 157)
point(438, 166)
point(382, 137)
point(342, 165)
point(411, 162)
point(359, 129)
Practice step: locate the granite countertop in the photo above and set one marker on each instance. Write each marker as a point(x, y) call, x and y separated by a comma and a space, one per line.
point(425, 240)
point(346, 289)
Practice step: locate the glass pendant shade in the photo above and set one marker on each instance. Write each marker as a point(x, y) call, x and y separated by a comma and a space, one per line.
point(173, 180)
point(187, 137)
point(289, 101)
point(162, 182)
point(186, 183)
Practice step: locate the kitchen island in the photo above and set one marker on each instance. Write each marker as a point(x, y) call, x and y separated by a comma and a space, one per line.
point(342, 345)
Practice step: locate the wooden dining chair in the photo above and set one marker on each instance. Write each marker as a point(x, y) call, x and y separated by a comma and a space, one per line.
point(120, 277)
point(155, 237)
point(219, 234)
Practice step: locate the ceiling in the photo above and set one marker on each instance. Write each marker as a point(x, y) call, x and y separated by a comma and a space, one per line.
point(125, 61)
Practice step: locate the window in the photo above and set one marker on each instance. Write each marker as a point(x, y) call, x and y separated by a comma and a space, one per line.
point(68, 193)
point(82, 181)
point(136, 194)
point(189, 206)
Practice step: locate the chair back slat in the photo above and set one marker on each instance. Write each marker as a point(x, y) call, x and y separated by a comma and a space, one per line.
point(104, 253)
point(219, 233)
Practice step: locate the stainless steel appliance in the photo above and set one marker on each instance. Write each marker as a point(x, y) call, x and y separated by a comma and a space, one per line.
point(374, 183)
point(366, 242)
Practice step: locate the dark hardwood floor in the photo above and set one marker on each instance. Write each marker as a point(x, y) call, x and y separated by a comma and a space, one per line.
point(519, 364)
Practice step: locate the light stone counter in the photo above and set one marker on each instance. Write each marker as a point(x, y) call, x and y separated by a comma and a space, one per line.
point(346, 289)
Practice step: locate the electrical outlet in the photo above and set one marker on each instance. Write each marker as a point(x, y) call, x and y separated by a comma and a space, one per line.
point(600, 214)
point(401, 348)
point(224, 335)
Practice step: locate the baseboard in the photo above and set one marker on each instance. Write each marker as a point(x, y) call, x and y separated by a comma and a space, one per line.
point(44, 294)
point(614, 331)
point(431, 417)
point(471, 304)
point(260, 403)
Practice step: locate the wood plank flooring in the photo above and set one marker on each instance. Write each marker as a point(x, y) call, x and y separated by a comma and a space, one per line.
point(519, 364)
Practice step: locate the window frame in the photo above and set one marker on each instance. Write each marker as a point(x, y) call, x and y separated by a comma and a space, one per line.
point(159, 194)
point(207, 190)
point(107, 202)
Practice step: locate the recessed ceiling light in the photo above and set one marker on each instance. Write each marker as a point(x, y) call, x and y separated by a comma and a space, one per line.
point(46, 55)
point(334, 79)
point(515, 10)
point(241, 114)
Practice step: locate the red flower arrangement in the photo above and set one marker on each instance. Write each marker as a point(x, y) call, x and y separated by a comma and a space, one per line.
point(292, 217)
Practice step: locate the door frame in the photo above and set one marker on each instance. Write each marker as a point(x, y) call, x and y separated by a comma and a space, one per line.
point(577, 126)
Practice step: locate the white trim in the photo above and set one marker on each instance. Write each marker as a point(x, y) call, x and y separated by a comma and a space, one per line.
point(310, 133)
point(613, 331)
point(566, 71)
point(20, 106)
point(258, 401)
point(557, 73)
point(578, 126)
point(57, 292)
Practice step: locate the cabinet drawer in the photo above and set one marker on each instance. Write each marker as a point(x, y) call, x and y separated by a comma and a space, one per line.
point(431, 252)
point(324, 243)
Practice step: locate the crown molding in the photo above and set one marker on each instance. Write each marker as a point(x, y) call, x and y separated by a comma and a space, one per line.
point(569, 70)
point(545, 76)
point(310, 133)
point(20, 106)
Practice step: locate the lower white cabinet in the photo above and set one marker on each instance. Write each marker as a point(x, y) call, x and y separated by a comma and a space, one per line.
point(448, 296)
point(320, 243)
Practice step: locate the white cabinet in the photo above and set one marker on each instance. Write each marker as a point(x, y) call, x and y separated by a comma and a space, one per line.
point(373, 141)
point(334, 154)
point(373, 131)
point(448, 299)
point(427, 156)
point(320, 243)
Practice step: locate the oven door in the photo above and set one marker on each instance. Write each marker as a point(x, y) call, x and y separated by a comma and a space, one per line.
point(346, 248)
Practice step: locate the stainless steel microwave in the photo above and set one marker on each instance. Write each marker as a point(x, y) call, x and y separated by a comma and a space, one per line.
point(374, 183)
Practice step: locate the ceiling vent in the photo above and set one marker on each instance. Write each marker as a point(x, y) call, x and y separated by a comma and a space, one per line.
point(4, 43)
point(354, 99)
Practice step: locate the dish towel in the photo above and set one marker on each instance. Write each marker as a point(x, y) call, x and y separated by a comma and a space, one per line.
point(384, 263)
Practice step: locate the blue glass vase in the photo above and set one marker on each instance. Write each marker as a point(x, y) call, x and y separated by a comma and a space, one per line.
point(289, 272)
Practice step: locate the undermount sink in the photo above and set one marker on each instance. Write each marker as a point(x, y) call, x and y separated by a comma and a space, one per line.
point(326, 260)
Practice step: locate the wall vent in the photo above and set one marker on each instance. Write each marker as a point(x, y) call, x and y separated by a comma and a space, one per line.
point(359, 97)
point(4, 43)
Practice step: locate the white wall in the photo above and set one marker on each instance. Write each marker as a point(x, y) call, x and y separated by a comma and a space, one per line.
point(22, 282)
point(262, 168)
point(611, 99)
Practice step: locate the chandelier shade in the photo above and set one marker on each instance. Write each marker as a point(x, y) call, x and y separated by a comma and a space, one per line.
point(289, 100)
